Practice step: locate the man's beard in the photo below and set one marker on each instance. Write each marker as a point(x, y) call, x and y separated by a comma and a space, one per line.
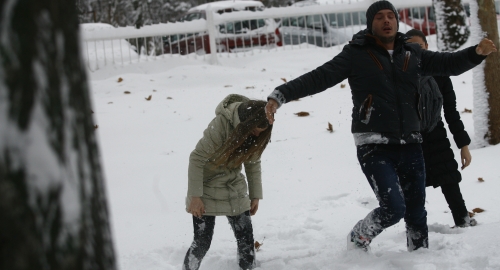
point(384, 40)
point(387, 40)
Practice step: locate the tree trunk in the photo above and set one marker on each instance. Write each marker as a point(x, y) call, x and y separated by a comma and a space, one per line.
point(53, 210)
point(491, 113)
point(488, 21)
point(451, 24)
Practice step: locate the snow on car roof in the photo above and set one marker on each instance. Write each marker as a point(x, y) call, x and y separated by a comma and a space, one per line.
point(305, 3)
point(237, 4)
point(89, 27)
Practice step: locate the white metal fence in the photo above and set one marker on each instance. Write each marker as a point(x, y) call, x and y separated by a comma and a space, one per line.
point(240, 33)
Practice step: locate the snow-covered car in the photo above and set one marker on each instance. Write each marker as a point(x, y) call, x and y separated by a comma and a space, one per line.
point(101, 51)
point(321, 30)
point(230, 36)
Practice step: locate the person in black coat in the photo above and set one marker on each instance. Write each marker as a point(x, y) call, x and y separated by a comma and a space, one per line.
point(440, 164)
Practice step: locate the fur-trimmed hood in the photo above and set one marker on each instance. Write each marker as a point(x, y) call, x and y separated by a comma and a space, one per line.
point(228, 108)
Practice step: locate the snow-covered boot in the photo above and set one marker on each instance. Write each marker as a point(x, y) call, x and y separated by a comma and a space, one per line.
point(416, 239)
point(473, 222)
point(467, 221)
point(359, 242)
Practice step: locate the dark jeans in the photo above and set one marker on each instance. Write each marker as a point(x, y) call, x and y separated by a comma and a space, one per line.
point(396, 173)
point(456, 203)
point(203, 232)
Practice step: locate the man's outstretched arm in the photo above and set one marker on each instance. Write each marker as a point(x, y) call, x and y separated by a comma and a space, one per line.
point(453, 64)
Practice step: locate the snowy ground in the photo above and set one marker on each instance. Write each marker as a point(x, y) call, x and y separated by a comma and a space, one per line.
point(314, 190)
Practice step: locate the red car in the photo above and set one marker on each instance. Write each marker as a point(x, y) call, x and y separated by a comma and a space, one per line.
point(231, 36)
point(421, 18)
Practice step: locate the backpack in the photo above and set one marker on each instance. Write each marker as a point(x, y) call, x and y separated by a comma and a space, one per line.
point(430, 104)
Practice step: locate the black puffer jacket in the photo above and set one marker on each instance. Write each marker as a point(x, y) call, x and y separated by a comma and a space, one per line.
point(384, 88)
point(440, 164)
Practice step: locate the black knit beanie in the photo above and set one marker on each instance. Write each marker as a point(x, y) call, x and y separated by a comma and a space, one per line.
point(376, 7)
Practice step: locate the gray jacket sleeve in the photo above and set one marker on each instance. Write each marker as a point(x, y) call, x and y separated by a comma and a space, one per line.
point(254, 178)
point(212, 139)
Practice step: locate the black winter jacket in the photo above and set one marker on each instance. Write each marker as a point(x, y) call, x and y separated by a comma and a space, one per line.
point(440, 163)
point(384, 87)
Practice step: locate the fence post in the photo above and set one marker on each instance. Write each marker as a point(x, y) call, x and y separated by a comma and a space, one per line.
point(211, 36)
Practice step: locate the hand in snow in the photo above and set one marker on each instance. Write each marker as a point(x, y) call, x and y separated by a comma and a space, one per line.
point(196, 207)
point(271, 108)
point(254, 206)
point(465, 156)
point(485, 47)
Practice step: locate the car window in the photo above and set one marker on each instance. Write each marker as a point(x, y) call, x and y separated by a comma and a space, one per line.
point(346, 19)
point(419, 13)
point(241, 26)
point(191, 16)
point(251, 8)
point(293, 21)
point(255, 8)
point(314, 22)
point(227, 10)
point(175, 38)
point(432, 14)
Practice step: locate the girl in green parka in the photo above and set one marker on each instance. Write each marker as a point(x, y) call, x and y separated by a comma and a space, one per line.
point(237, 136)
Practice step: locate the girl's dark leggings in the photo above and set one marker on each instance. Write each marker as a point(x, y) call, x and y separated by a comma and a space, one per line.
point(456, 203)
point(203, 232)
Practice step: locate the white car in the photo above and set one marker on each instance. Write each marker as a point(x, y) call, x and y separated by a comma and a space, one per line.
point(231, 36)
point(321, 30)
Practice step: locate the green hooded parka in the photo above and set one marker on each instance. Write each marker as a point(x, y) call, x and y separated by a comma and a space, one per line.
point(224, 191)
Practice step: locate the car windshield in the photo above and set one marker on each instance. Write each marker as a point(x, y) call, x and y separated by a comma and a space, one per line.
point(293, 21)
point(191, 16)
point(241, 26)
point(313, 21)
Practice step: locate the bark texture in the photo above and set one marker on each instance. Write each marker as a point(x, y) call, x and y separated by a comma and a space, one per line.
point(53, 210)
point(488, 21)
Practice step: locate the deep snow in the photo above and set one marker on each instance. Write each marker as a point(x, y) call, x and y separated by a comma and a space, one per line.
point(314, 190)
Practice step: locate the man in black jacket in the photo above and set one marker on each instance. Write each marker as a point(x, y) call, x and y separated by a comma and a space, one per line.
point(383, 72)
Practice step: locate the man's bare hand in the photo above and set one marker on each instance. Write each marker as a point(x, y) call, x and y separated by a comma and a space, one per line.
point(196, 207)
point(485, 47)
point(271, 108)
point(254, 206)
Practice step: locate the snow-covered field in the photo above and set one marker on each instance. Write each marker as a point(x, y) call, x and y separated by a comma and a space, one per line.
point(314, 190)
